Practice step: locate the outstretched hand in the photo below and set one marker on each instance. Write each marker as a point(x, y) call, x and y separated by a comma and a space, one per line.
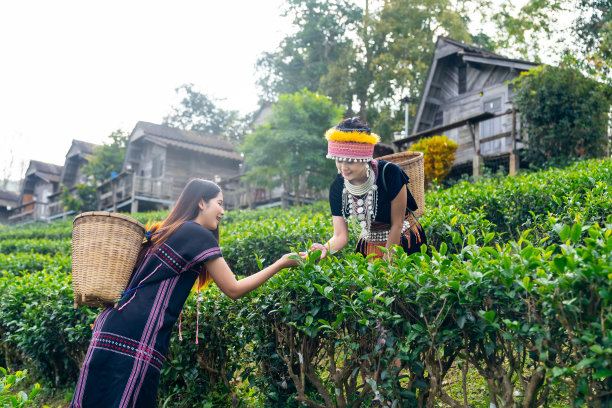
point(289, 260)
point(322, 248)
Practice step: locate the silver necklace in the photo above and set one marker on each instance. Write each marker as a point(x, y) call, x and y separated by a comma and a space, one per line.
point(360, 202)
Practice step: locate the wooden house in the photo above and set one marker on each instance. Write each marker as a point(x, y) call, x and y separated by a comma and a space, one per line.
point(78, 155)
point(41, 181)
point(8, 201)
point(467, 97)
point(159, 161)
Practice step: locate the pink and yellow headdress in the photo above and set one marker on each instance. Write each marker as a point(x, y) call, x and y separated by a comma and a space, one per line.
point(345, 141)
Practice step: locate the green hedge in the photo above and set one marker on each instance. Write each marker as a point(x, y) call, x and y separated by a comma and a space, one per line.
point(41, 246)
point(514, 204)
point(37, 230)
point(524, 303)
point(20, 263)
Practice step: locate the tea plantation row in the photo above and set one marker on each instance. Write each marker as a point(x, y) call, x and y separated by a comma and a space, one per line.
point(516, 289)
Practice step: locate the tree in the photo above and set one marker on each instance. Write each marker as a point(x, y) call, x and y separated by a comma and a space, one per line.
point(200, 113)
point(85, 198)
point(319, 48)
point(565, 115)
point(594, 31)
point(365, 59)
point(290, 150)
point(107, 158)
point(399, 39)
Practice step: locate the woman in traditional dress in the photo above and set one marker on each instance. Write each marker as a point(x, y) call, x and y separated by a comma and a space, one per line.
point(372, 192)
point(129, 342)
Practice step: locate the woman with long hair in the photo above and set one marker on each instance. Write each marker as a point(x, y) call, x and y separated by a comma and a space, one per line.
point(130, 341)
point(373, 193)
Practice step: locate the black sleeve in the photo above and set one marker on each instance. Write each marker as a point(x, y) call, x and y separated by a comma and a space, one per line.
point(198, 244)
point(395, 179)
point(335, 196)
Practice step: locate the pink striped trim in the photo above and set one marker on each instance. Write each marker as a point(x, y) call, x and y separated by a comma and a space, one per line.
point(78, 393)
point(202, 256)
point(138, 365)
point(160, 322)
point(136, 291)
point(349, 150)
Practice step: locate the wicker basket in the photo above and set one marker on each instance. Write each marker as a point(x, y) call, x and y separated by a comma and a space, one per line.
point(413, 166)
point(104, 251)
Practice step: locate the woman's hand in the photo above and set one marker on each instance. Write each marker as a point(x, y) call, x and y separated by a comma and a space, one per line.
point(316, 246)
point(287, 262)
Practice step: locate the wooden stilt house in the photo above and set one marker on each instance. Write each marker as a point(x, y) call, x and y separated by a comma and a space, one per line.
point(468, 98)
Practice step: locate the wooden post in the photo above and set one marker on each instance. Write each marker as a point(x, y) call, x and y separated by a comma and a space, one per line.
point(514, 159)
point(477, 158)
point(134, 206)
point(114, 190)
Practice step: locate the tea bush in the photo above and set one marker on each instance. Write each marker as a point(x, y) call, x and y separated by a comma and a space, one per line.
point(42, 246)
point(39, 325)
point(7, 383)
point(515, 289)
point(514, 204)
point(19, 263)
point(54, 230)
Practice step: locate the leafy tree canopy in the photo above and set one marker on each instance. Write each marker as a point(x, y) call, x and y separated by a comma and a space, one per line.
point(107, 158)
point(565, 115)
point(290, 149)
point(362, 59)
point(199, 112)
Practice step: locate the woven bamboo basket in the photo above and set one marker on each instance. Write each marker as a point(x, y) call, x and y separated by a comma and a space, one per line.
point(104, 251)
point(413, 165)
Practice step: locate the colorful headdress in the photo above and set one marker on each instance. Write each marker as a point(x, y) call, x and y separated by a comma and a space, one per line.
point(346, 141)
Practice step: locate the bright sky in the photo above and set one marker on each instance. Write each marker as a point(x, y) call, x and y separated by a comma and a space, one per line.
point(73, 69)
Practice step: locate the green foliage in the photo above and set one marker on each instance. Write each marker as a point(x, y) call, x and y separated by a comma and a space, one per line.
point(85, 198)
point(368, 58)
point(18, 263)
point(594, 30)
point(513, 204)
point(269, 236)
point(108, 158)
point(439, 156)
point(291, 149)
point(399, 39)
point(38, 323)
point(565, 115)
point(199, 112)
point(515, 289)
point(19, 400)
point(39, 246)
point(56, 230)
point(104, 161)
point(317, 56)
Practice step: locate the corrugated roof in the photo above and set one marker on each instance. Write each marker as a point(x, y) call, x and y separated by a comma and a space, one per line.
point(81, 147)
point(188, 136)
point(8, 198)
point(46, 171)
point(195, 147)
point(481, 52)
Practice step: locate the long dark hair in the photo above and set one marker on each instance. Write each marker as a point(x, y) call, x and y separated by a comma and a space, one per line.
point(186, 208)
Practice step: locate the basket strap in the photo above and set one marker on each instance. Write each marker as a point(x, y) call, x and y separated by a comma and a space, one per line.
point(383, 175)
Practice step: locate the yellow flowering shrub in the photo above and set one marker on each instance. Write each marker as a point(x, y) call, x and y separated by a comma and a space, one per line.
point(438, 156)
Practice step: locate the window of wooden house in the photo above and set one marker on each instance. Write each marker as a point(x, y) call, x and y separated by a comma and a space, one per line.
point(492, 127)
point(157, 169)
point(438, 118)
point(462, 74)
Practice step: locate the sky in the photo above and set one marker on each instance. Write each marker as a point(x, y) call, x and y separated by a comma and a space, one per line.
point(83, 69)
point(74, 69)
